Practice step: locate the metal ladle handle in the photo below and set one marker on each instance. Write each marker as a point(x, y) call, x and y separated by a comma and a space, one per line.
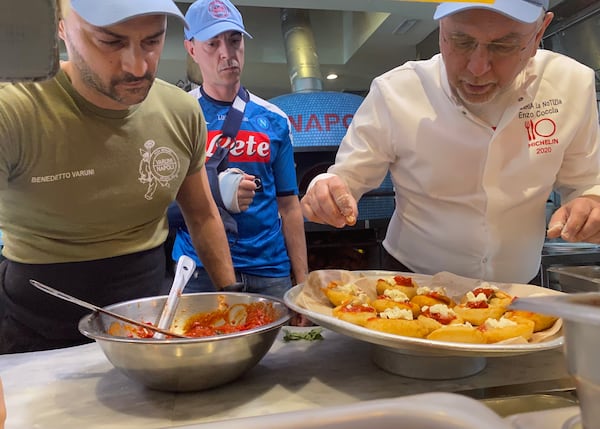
point(93, 307)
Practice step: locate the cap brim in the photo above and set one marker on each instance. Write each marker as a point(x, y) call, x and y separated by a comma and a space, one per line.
point(110, 12)
point(214, 30)
point(521, 11)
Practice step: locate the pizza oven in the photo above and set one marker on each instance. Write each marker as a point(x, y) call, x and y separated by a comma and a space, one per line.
point(319, 121)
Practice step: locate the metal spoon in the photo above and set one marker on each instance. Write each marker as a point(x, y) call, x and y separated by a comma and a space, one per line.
point(93, 307)
point(183, 272)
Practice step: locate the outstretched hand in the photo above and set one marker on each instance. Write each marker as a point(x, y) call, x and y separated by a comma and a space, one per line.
point(329, 201)
point(577, 220)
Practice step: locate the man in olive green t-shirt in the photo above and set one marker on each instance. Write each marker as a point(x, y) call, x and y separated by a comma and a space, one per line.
point(89, 162)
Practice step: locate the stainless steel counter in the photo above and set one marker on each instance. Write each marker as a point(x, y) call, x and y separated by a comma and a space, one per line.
point(78, 388)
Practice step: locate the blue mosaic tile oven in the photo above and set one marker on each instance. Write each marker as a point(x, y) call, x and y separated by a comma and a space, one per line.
point(319, 121)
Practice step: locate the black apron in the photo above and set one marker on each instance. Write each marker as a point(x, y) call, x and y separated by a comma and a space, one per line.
point(33, 320)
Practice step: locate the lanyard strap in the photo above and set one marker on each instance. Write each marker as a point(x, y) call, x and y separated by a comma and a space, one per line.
point(233, 120)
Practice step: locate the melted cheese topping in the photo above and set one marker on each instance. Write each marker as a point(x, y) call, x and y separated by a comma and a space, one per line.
point(395, 295)
point(351, 306)
point(396, 313)
point(467, 324)
point(442, 309)
point(352, 289)
point(503, 322)
point(479, 298)
point(486, 285)
point(424, 290)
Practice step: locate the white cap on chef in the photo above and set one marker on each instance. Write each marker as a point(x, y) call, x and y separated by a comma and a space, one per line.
point(527, 11)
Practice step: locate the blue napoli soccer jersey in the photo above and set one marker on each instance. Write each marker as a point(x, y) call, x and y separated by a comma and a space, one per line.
point(262, 148)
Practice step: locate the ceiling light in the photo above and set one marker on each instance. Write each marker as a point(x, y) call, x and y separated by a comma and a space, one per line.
point(332, 76)
point(404, 26)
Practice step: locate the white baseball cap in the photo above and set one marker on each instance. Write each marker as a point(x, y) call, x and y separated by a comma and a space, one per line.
point(527, 11)
point(103, 13)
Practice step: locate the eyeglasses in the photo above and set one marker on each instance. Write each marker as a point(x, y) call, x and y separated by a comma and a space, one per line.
point(465, 45)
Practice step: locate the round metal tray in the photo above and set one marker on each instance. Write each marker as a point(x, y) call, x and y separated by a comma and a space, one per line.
point(422, 358)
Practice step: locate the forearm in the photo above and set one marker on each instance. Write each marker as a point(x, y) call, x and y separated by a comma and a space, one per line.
point(298, 259)
point(212, 248)
point(206, 228)
point(295, 241)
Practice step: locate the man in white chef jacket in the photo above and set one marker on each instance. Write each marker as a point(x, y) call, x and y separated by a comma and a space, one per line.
point(475, 139)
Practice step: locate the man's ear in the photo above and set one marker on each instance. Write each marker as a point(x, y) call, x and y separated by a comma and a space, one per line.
point(61, 28)
point(189, 47)
point(548, 17)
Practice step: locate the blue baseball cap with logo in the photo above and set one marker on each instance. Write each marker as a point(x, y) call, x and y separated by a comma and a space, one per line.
point(209, 18)
point(103, 13)
point(527, 11)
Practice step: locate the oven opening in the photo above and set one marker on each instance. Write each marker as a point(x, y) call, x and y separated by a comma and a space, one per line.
point(349, 248)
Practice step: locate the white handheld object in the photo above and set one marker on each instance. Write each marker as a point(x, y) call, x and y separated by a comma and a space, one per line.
point(183, 273)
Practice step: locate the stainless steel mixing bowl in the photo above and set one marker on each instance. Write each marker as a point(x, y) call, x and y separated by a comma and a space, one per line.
point(183, 364)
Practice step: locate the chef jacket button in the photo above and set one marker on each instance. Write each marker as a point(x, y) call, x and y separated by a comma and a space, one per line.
point(484, 260)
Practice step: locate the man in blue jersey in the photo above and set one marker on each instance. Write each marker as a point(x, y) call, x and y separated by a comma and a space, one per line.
point(258, 189)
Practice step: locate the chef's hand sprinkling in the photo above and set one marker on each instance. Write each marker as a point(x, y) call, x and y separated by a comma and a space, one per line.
point(344, 203)
point(329, 201)
point(577, 221)
point(555, 230)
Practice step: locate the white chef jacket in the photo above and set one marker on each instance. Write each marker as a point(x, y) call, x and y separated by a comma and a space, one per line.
point(471, 199)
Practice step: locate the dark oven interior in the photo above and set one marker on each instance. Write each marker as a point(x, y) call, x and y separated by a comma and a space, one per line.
point(350, 248)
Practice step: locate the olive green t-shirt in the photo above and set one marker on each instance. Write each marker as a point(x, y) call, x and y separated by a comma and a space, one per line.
point(80, 183)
